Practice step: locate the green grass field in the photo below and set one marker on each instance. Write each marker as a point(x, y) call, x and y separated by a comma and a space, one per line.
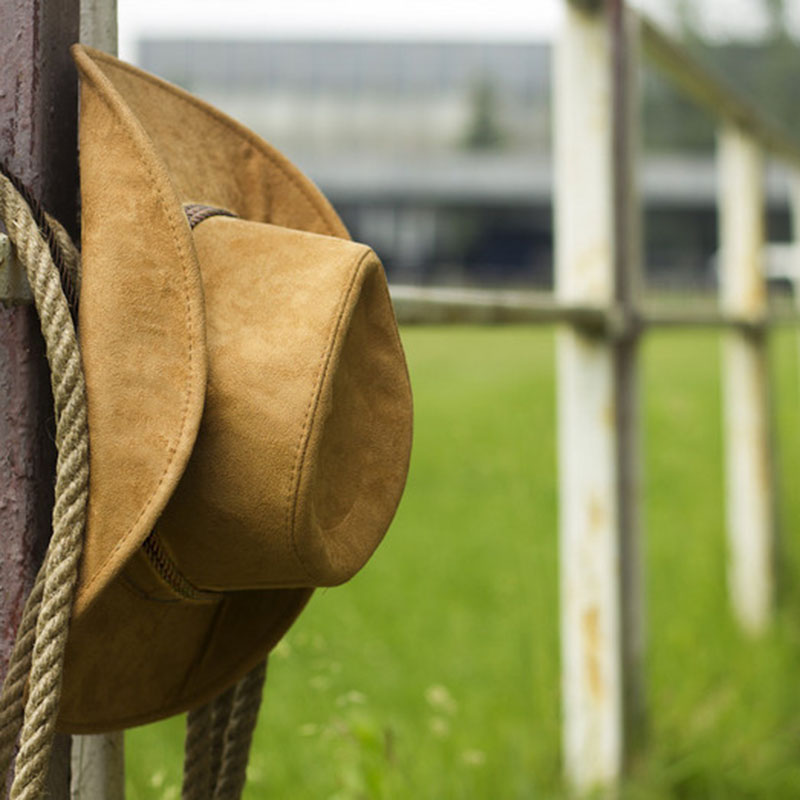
point(434, 674)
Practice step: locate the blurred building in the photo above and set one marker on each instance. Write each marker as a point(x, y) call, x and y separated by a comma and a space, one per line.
point(389, 97)
point(438, 154)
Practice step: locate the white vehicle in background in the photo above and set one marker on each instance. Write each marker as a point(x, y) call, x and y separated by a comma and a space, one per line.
point(781, 265)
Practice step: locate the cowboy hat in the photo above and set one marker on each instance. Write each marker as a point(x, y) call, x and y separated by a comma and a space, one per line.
point(248, 398)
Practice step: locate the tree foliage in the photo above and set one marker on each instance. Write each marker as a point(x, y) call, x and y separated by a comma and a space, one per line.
point(483, 131)
point(765, 71)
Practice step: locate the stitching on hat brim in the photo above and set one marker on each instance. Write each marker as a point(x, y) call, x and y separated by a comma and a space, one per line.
point(104, 88)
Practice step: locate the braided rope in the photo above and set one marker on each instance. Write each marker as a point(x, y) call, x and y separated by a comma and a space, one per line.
point(218, 739)
point(221, 713)
point(205, 740)
point(70, 264)
point(12, 701)
point(52, 232)
point(42, 648)
point(196, 763)
point(239, 734)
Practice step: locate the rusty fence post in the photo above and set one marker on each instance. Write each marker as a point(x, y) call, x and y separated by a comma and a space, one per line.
point(38, 141)
point(597, 258)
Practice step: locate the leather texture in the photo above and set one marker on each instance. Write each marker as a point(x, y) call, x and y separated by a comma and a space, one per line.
point(249, 404)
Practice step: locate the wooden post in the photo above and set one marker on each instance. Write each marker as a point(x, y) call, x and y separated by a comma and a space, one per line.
point(98, 767)
point(596, 259)
point(749, 489)
point(99, 24)
point(38, 141)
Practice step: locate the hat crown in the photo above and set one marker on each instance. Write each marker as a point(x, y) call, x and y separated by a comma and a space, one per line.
point(302, 451)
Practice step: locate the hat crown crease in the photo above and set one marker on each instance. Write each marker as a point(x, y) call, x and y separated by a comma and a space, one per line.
point(307, 390)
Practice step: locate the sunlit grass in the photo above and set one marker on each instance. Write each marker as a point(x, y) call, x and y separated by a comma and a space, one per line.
point(434, 673)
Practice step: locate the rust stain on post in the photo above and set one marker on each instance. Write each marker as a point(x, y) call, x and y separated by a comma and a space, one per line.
point(597, 513)
point(591, 649)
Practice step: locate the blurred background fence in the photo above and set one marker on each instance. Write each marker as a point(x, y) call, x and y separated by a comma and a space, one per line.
point(600, 267)
point(455, 159)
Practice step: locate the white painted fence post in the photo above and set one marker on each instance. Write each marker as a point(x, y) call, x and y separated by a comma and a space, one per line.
point(98, 761)
point(794, 212)
point(596, 260)
point(749, 487)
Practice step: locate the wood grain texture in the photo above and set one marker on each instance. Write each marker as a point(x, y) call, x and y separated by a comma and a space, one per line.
point(38, 142)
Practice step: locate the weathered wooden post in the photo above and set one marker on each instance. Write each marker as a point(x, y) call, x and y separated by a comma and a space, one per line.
point(38, 141)
point(597, 255)
point(749, 489)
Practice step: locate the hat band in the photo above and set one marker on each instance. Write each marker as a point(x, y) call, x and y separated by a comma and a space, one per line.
point(197, 212)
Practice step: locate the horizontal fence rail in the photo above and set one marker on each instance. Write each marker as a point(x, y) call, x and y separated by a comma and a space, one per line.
point(420, 305)
point(601, 314)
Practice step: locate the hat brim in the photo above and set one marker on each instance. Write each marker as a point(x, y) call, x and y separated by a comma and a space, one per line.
point(146, 148)
point(133, 660)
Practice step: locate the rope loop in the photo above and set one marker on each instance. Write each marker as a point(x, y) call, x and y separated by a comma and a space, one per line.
point(37, 659)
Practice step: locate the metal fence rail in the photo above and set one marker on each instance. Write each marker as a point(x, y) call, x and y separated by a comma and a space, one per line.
point(601, 315)
point(419, 305)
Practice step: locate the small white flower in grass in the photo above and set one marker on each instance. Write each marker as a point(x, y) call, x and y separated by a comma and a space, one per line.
point(352, 698)
point(439, 727)
point(157, 779)
point(319, 682)
point(440, 699)
point(309, 729)
point(335, 729)
point(473, 758)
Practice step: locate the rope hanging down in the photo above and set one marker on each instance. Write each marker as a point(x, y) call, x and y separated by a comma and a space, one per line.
point(218, 739)
point(38, 654)
point(220, 733)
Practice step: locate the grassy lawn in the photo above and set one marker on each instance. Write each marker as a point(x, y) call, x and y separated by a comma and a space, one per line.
point(434, 674)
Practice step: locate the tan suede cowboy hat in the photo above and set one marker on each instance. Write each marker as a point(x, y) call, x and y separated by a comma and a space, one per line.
point(249, 404)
